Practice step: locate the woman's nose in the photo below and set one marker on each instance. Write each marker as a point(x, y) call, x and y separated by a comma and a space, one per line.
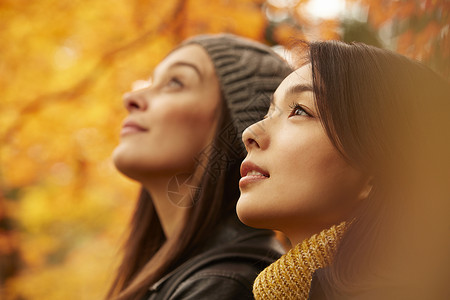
point(135, 101)
point(255, 136)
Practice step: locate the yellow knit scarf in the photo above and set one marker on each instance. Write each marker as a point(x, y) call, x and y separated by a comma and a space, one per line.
point(290, 276)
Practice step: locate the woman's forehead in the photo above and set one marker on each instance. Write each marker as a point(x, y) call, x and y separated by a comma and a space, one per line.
point(298, 81)
point(193, 55)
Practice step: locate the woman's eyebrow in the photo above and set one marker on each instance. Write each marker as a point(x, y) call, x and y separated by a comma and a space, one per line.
point(293, 90)
point(187, 64)
point(299, 88)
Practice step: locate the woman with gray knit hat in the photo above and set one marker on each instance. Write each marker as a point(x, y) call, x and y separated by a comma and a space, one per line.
point(182, 142)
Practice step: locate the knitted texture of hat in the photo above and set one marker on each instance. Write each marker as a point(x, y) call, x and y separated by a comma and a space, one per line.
point(290, 276)
point(248, 73)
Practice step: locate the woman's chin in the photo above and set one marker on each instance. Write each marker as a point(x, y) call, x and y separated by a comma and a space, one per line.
point(127, 166)
point(247, 213)
point(120, 161)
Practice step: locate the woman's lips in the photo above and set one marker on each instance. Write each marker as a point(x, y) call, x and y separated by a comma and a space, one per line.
point(251, 173)
point(130, 127)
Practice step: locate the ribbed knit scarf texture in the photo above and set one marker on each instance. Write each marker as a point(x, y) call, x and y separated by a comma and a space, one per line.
point(290, 276)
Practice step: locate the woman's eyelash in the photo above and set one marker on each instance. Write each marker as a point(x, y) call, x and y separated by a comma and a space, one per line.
point(175, 80)
point(298, 110)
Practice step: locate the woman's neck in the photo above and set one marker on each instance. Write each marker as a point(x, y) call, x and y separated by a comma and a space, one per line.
point(172, 199)
point(303, 231)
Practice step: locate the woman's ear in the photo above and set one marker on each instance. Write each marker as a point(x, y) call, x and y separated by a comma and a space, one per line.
point(366, 188)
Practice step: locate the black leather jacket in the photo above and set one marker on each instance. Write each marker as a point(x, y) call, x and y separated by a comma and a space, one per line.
point(225, 268)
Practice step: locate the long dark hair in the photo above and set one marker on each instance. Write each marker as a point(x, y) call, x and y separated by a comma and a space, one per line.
point(148, 255)
point(389, 117)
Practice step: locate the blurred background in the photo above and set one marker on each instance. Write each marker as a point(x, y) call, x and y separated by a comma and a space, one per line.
point(64, 65)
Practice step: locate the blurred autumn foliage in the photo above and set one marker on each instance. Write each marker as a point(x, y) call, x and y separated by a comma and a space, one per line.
point(63, 67)
point(418, 29)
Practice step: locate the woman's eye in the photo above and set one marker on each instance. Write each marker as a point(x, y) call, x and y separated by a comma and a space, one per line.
point(297, 110)
point(174, 83)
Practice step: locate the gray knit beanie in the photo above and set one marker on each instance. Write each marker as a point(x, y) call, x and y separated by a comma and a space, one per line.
point(248, 73)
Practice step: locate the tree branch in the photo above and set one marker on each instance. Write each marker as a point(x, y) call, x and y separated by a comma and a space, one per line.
point(89, 80)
